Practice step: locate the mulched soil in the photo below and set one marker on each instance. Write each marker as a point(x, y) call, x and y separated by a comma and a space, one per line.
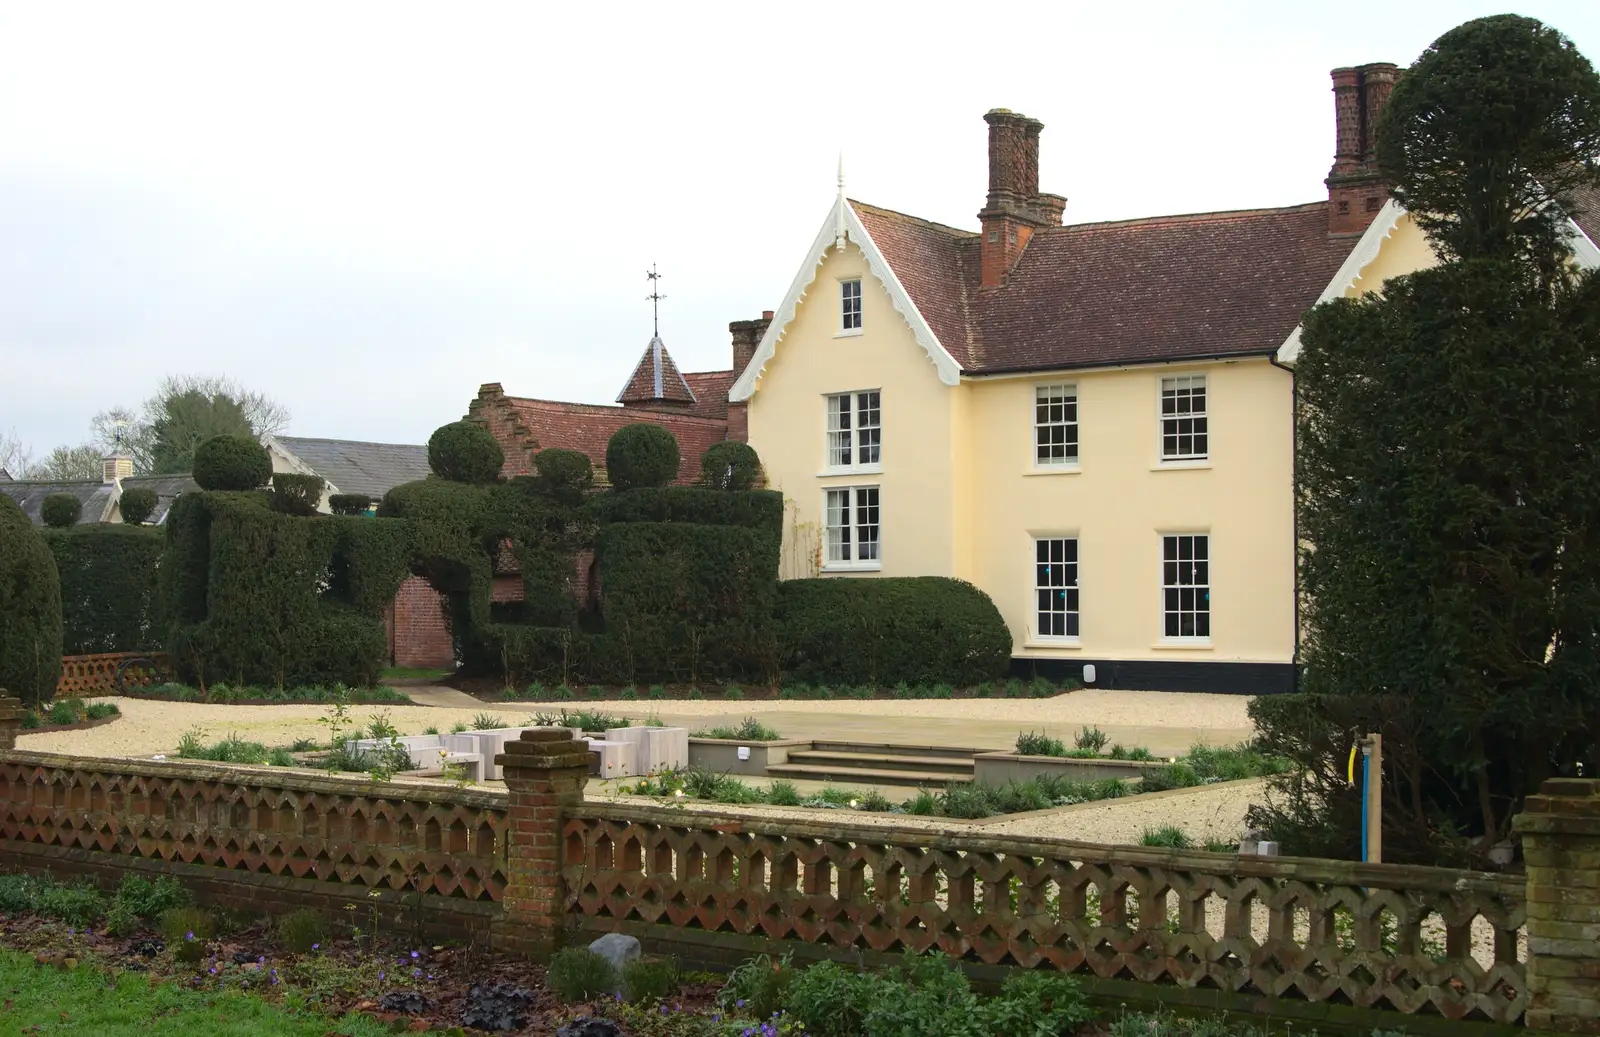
point(82, 725)
point(247, 957)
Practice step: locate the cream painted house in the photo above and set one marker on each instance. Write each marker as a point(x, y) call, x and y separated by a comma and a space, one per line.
point(1093, 423)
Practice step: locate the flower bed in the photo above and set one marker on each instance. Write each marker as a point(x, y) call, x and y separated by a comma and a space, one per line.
point(71, 715)
point(223, 694)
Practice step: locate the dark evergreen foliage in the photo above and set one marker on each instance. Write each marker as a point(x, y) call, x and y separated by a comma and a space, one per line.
point(920, 630)
point(137, 504)
point(254, 596)
point(349, 503)
point(730, 466)
point(564, 476)
point(231, 463)
point(465, 452)
point(60, 510)
point(1497, 120)
point(641, 456)
point(297, 494)
point(30, 609)
point(108, 587)
point(1449, 477)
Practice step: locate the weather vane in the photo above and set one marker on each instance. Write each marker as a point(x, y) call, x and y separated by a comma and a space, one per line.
point(655, 298)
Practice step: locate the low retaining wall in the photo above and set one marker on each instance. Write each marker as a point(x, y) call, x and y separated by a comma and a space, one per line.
point(722, 755)
point(999, 768)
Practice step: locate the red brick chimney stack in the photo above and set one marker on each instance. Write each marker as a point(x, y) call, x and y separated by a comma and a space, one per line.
point(747, 335)
point(1356, 187)
point(1014, 208)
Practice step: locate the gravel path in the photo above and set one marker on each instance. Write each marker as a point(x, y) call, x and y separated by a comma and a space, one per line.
point(149, 726)
point(1206, 813)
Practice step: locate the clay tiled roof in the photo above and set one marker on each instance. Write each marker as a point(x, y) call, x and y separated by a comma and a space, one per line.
point(1169, 288)
point(656, 379)
point(938, 266)
point(589, 427)
point(710, 392)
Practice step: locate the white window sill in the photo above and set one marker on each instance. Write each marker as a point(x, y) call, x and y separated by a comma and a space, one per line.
point(849, 333)
point(852, 567)
point(860, 469)
point(1181, 643)
point(1053, 642)
point(1184, 465)
point(1057, 469)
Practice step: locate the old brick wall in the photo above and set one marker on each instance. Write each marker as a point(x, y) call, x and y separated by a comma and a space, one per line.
point(419, 632)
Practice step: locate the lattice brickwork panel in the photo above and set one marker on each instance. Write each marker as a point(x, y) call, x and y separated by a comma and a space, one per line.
point(1402, 938)
point(97, 674)
point(336, 829)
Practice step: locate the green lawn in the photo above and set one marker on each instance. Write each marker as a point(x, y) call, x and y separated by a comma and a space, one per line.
point(82, 1001)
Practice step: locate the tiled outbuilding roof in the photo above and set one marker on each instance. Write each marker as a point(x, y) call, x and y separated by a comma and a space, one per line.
point(95, 496)
point(356, 467)
point(710, 393)
point(1586, 212)
point(167, 487)
point(1167, 288)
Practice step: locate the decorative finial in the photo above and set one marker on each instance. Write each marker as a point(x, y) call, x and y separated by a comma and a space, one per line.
point(655, 298)
point(838, 227)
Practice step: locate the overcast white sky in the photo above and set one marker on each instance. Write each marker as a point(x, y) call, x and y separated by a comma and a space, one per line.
point(367, 210)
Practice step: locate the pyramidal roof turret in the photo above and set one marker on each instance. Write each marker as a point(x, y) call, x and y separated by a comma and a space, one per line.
point(656, 380)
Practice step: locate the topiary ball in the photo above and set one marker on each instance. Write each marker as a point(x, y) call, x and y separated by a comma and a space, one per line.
point(465, 451)
point(641, 455)
point(730, 466)
point(60, 510)
point(30, 608)
point(231, 463)
point(137, 504)
point(564, 475)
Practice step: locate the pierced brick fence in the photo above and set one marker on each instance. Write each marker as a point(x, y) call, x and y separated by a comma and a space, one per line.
point(97, 674)
point(1337, 943)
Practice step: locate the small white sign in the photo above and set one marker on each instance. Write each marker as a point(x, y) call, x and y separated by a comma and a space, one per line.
point(744, 752)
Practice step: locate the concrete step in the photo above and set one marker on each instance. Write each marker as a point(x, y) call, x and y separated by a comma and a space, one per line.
point(865, 776)
point(884, 761)
point(887, 749)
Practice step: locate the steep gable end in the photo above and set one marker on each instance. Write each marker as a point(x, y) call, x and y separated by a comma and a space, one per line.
point(842, 226)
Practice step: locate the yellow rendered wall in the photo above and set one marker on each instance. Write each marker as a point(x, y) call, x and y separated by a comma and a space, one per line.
point(1120, 501)
point(788, 424)
point(1404, 251)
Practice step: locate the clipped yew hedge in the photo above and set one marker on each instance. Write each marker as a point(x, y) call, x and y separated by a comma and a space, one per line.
point(108, 587)
point(919, 629)
point(254, 596)
point(30, 609)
